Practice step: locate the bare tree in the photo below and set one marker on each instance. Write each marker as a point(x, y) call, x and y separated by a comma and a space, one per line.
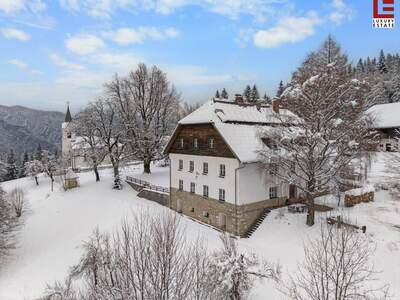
point(9, 225)
point(337, 267)
point(90, 144)
point(233, 273)
point(110, 132)
point(188, 108)
point(147, 258)
point(17, 200)
point(329, 131)
point(33, 169)
point(148, 106)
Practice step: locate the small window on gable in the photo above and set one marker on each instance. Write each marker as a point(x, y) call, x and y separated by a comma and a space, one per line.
point(211, 143)
point(181, 143)
point(195, 143)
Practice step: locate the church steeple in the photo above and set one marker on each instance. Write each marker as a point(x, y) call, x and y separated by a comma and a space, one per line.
point(68, 117)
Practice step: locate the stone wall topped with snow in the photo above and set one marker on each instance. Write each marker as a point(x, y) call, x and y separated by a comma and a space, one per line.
point(360, 195)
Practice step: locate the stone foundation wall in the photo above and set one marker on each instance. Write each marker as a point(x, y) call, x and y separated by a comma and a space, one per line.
point(160, 198)
point(350, 200)
point(207, 210)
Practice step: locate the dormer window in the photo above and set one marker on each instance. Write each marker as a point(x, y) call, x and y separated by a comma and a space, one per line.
point(211, 143)
point(181, 143)
point(195, 143)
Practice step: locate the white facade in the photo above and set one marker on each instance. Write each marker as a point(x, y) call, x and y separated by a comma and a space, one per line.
point(243, 183)
point(212, 179)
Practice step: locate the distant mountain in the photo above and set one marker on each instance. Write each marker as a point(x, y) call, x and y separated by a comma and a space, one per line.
point(23, 129)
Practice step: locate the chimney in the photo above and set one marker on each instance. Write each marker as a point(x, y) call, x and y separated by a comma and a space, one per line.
point(238, 98)
point(275, 105)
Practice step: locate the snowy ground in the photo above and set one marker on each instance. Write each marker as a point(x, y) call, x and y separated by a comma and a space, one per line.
point(58, 222)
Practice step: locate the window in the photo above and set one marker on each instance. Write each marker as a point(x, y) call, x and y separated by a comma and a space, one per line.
point(191, 166)
point(192, 187)
point(205, 214)
point(180, 168)
point(221, 170)
point(69, 135)
point(181, 143)
point(205, 168)
point(195, 143)
point(221, 195)
point(192, 210)
point(211, 143)
point(273, 169)
point(181, 185)
point(205, 191)
point(273, 192)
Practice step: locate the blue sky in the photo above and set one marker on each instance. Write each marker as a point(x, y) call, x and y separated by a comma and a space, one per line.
point(56, 51)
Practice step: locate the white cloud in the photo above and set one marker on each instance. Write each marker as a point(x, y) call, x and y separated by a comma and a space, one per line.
point(341, 12)
point(84, 44)
point(13, 6)
point(259, 9)
point(12, 33)
point(126, 36)
point(61, 62)
point(116, 62)
point(288, 30)
point(18, 63)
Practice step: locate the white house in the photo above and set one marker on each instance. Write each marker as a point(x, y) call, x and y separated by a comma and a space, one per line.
point(387, 123)
point(216, 174)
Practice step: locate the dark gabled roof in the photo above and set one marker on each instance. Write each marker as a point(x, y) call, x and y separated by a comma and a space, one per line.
point(68, 117)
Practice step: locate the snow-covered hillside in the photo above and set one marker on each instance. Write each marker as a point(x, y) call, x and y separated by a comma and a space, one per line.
point(57, 223)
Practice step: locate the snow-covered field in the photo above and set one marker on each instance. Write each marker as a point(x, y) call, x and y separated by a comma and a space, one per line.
point(58, 222)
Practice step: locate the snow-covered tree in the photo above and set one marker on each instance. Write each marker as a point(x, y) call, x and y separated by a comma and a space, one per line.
point(337, 266)
point(50, 166)
point(9, 225)
point(187, 108)
point(330, 129)
point(11, 168)
point(25, 159)
point(147, 104)
point(233, 273)
point(224, 94)
point(110, 132)
point(33, 169)
point(254, 95)
point(280, 90)
point(91, 145)
point(382, 68)
point(247, 93)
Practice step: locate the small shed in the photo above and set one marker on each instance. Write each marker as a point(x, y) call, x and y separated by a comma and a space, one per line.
point(71, 179)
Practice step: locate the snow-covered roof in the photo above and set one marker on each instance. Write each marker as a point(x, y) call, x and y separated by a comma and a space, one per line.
point(385, 115)
point(239, 125)
point(70, 174)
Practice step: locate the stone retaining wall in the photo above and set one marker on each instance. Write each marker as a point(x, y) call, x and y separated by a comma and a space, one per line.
point(207, 210)
point(159, 197)
point(351, 200)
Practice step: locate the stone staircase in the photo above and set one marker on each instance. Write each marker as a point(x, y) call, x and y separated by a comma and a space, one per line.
point(257, 223)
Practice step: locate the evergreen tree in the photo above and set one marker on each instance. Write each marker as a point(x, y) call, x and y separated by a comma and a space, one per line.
point(25, 159)
point(280, 90)
point(247, 93)
point(360, 66)
point(224, 94)
point(11, 169)
point(382, 68)
point(39, 153)
point(217, 95)
point(266, 98)
point(254, 95)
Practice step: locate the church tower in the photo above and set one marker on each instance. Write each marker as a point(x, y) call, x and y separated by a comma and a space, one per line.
point(67, 136)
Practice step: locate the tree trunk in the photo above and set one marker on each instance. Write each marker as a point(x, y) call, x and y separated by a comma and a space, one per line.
point(311, 211)
point(116, 170)
point(96, 172)
point(36, 179)
point(146, 166)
